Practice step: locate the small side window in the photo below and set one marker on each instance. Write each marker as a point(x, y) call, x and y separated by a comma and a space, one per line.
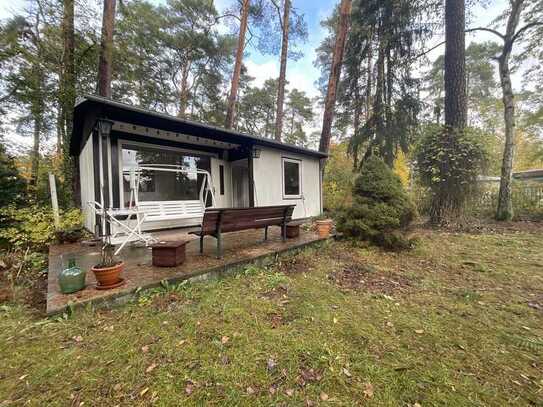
point(221, 179)
point(292, 178)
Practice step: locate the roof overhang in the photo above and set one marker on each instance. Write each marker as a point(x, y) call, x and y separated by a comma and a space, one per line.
point(90, 108)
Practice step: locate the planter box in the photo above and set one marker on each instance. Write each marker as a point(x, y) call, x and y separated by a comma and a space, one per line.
point(168, 254)
point(293, 229)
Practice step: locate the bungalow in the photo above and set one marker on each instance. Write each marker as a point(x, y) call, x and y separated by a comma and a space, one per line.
point(183, 166)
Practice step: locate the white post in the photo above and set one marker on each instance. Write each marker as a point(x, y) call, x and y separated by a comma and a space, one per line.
point(54, 200)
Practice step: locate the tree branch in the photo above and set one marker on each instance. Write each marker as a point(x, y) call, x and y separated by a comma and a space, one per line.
point(524, 29)
point(490, 30)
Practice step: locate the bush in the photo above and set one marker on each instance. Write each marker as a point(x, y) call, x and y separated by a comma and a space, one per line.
point(380, 209)
point(338, 178)
point(448, 163)
point(33, 226)
point(12, 185)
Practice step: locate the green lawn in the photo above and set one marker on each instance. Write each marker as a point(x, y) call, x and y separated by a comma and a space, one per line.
point(454, 322)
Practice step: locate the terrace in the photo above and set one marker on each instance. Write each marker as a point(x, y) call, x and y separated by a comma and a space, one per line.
point(240, 248)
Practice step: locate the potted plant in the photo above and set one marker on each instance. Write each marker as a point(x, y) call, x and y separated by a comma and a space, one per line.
point(108, 271)
point(324, 226)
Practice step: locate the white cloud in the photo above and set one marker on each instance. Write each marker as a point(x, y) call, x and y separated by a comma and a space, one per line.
point(262, 72)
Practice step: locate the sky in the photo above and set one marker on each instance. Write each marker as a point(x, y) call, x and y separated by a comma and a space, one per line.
point(302, 74)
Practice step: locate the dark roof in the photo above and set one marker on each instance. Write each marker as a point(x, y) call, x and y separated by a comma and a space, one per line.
point(90, 107)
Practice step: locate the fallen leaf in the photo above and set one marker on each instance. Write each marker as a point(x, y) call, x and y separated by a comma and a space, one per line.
point(419, 331)
point(117, 387)
point(142, 393)
point(182, 342)
point(250, 390)
point(417, 405)
point(368, 390)
point(271, 364)
point(150, 368)
point(23, 377)
point(145, 349)
point(189, 388)
point(272, 390)
point(289, 392)
point(224, 339)
point(78, 338)
point(347, 373)
point(324, 396)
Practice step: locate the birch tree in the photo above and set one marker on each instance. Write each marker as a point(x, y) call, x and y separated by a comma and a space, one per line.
point(512, 35)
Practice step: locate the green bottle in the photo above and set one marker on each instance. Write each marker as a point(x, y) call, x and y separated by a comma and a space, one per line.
point(71, 279)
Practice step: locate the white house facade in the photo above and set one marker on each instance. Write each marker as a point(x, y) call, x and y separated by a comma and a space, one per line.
point(167, 164)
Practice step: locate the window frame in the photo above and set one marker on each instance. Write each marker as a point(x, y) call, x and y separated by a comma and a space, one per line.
point(123, 141)
point(299, 163)
point(221, 179)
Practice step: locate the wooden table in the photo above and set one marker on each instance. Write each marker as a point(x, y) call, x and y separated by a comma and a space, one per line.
point(168, 253)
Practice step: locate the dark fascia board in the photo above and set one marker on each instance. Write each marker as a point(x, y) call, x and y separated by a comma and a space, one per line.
point(97, 106)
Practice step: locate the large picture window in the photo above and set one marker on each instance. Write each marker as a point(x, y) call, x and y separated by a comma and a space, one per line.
point(292, 178)
point(160, 185)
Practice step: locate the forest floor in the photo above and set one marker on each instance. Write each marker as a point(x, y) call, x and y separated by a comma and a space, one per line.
point(456, 321)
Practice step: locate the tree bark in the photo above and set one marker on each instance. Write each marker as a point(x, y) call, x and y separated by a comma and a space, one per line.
point(184, 92)
point(455, 64)
point(106, 49)
point(505, 204)
point(335, 72)
point(282, 73)
point(231, 109)
point(67, 102)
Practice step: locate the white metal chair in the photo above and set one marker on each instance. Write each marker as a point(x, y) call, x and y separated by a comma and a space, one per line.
point(121, 229)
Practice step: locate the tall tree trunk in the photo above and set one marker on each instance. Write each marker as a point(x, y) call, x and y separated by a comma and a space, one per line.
point(282, 73)
point(335, 72)
point(106, 49)
point(67, 103)
point(448, 201)
point(231, 109)
point(184, 92)
point(389, 135)
point(455, 64)
point(505, 204)
point(35, 153)
point(356, 118)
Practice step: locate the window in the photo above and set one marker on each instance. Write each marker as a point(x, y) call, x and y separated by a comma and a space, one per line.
point(221, 179)
point(292, 178)
point(160, 185)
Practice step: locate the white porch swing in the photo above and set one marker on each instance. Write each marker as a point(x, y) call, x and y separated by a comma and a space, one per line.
point(126, 223)
point(175, 210)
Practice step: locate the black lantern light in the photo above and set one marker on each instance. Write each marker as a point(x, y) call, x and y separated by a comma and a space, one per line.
point(104, 127)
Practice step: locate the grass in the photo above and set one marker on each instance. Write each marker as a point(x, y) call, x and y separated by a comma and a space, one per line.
point(446, 324)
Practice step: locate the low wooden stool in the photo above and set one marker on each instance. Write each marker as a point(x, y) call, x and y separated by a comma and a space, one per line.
point(293, 229)
point(168, 253)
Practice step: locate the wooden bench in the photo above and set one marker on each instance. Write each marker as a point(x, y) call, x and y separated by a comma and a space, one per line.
point(217, 221)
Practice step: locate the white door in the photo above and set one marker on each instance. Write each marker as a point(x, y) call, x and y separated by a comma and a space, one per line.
point(220, 173)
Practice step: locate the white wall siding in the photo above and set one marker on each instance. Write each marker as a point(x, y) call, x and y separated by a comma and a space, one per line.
point(268, 178)
point(86, 171)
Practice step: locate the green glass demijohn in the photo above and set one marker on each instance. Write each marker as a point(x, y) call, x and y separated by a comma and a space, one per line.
point(71, 279)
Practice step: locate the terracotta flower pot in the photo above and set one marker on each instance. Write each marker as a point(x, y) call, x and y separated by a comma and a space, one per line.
point(323, 228)
point(108, 276)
